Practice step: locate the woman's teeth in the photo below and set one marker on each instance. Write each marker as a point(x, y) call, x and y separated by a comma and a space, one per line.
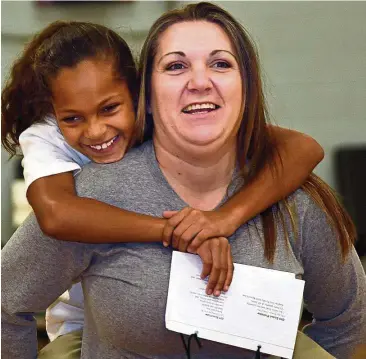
point(104, 145)
point(200, 107)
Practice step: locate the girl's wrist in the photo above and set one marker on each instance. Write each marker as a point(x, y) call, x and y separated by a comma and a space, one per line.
point(234, 217)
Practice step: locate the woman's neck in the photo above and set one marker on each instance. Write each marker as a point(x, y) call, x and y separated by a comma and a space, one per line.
point(201, 180)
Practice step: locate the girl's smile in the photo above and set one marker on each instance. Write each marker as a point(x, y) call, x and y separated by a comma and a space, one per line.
point(94, 110)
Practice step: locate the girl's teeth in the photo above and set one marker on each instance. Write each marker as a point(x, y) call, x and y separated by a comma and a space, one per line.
point(104, 145)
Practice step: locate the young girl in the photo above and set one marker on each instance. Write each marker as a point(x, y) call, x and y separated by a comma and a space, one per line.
point(61, 122)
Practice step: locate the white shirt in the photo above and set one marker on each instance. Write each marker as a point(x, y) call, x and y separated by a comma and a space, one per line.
point(46, 153)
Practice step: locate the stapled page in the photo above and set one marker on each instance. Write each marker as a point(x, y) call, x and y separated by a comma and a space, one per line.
point(262, 306)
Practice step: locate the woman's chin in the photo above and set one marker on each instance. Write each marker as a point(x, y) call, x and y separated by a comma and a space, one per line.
point(201, 140)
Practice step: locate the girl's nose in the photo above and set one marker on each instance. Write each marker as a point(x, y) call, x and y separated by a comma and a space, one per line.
point(95, 130)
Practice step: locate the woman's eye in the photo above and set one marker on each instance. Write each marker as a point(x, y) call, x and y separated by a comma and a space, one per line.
point(110, 108)
point(176, 66)
point(221, 65)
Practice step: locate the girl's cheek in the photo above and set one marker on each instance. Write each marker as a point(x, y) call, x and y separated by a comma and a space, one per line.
point(71, 136)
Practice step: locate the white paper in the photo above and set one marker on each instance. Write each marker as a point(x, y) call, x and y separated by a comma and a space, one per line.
point(262, 306)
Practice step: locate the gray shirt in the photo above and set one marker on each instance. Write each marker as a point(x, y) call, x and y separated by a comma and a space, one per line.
point(125, 285)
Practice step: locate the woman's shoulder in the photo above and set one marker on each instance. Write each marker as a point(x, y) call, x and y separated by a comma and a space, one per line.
point(311, 217)
point(101, 180)
point(135, 163)
point(303, 202)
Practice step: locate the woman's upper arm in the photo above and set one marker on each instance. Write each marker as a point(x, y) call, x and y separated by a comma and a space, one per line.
point(35, 270)
point(335, 291)
point(31, 260)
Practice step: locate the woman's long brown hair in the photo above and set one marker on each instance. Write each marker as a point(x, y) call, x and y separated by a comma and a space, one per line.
point(255, 145)
point(26, 97)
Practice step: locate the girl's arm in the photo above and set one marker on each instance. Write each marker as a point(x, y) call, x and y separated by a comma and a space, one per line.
point(64, 215)
point(298, 154)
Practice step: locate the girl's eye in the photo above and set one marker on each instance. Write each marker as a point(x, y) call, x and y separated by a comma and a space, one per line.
point(221, 65)
point(175, 66)
point(71, 120)
point(110, 108)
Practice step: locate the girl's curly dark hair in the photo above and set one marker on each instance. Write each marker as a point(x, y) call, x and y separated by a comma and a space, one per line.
point(26, 97)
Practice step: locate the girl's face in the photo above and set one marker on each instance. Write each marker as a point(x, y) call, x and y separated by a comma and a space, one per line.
point(196, 87)
point(94, 110)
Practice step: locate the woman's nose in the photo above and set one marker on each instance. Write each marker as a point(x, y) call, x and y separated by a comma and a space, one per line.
point(199, 80)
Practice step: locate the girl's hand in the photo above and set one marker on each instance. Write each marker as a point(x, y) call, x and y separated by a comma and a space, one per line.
point(203, 233)
point(188, 228)
point(217, 264)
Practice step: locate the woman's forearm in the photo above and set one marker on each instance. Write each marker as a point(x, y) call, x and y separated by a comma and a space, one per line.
point(298, 154)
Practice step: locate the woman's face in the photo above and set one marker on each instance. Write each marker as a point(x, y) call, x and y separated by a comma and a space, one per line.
point(196, 87)
point(94, 110)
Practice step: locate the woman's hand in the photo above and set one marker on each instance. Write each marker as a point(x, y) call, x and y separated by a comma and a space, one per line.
point(217, 263)
point(188, 228)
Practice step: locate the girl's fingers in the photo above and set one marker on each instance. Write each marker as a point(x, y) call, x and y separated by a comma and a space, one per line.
point(171, 224)
point(216, 266)
point(230, 270)
point(198, 240)
point(187, 236)
point(206, 257)
point(223, 267)
point(167, 234)
point(169, 214)
point(183, 233)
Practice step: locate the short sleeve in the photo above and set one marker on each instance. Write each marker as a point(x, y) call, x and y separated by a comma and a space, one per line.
point(46, 152)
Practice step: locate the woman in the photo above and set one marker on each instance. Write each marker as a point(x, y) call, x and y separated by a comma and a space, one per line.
point(208, 138)
point(71, 122)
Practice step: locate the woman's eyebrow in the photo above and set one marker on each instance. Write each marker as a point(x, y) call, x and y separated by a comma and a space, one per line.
point(181, 53)
point(214, 52)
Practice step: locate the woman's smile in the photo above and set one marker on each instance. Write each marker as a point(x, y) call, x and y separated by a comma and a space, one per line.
point(197, 92)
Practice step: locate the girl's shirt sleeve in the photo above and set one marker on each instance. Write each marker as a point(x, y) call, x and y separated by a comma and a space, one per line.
point(46, 152)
